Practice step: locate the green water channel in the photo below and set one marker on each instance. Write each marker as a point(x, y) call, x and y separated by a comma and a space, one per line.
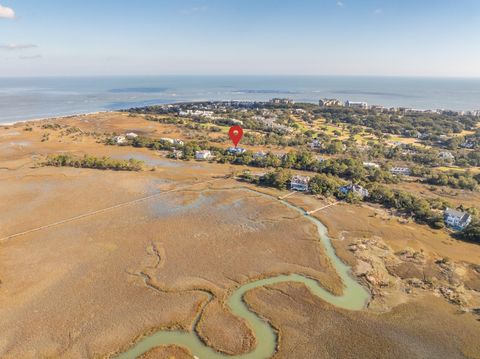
point(354, 297)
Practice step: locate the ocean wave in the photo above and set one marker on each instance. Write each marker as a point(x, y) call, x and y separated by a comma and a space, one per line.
point(138, 90)
point(278, 92)
point(373, 93)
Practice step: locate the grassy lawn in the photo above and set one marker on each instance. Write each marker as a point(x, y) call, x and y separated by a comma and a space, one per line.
point(459, 169)
point(406, 140)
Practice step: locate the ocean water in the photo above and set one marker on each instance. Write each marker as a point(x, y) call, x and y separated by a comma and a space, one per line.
point(32, 98)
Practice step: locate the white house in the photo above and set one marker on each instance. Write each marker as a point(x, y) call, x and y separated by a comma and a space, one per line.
point(360, 105)
point(259, 154)
point(196, 113)
point(120, 140)
point(169, 140)
point(330, 102)
point(234, 121)
point(282, 101)
point(371, 165)
point(131, 135)
point(378, 108)
point(203, 155)
point(315, 144)
point(445, 155)
point(299, 183)
point(236, 150)
point(178, 142)
point(355, 188)
point(401, 171)
point(457, 219)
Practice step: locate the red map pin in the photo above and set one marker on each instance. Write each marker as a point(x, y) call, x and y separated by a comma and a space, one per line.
point(236, 134)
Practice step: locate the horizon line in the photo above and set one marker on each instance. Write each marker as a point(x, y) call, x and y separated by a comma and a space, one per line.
point(476, 77)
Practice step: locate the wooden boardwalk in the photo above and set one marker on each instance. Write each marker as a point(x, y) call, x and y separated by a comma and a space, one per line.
point(89, 214)
point(322, 208)
point(288, 195)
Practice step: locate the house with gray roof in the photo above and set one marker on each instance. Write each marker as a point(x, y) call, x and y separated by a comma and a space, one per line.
point(355, 188)
point(457, 219)
point(299, 183)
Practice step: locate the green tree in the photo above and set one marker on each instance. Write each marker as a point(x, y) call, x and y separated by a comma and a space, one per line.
point(280, 178)
point(272, 160)
point(472, 232)
point(289, 160)
point(324, 185)
point(305, 160)
point(189, 150)
point(334, 147)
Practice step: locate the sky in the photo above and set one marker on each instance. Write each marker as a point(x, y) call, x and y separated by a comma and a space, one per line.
point(256, 37)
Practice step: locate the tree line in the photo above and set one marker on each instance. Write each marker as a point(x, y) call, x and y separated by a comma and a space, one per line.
point(102, 163)
point(422, 210)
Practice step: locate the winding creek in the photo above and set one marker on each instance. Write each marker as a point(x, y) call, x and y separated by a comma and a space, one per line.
point(354, 297)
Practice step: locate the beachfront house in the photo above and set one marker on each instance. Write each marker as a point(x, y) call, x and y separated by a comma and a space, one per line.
point(120, 140)
point(299, 183)
point(354, 188)
point(131, 135)
point(359, 105)
point(203, 155)
point(378, 108)
point(457, 219)
point(401, 171)
point(282, 101)
point(330, 102)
